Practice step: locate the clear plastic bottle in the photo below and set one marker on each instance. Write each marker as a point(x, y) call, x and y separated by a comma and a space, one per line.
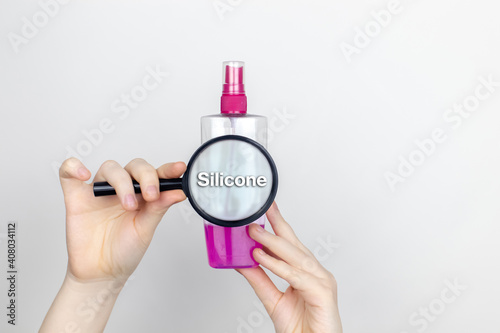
point(232, 247)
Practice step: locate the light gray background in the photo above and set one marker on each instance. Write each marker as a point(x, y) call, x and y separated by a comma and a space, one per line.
point(393, 250)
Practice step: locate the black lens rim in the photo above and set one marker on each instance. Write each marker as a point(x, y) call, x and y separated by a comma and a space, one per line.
point(251, 218)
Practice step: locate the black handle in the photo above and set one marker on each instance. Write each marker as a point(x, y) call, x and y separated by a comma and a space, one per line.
point(103, 188)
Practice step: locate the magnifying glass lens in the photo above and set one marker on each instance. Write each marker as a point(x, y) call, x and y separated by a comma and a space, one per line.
point(230, 180)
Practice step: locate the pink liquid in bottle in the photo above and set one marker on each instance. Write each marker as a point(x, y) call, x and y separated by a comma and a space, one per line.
point(231, 247)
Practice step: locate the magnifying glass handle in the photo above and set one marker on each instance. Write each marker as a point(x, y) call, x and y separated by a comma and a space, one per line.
point(103, 188)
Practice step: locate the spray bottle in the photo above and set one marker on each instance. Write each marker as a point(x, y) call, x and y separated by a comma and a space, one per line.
point(231, 247)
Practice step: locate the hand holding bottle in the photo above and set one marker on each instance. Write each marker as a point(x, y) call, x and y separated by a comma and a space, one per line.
point(310, 302)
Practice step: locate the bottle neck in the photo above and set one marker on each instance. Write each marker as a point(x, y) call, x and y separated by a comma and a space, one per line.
point(233, 104)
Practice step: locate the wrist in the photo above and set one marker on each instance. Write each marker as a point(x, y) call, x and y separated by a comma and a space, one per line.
point(109, 286)
point(82, 305)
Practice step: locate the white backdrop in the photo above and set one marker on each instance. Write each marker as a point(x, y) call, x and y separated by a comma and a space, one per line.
point(385, 129)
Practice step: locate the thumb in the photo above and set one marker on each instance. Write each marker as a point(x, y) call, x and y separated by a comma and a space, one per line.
point(167, 198)
point(150, 216)
point(72, 175)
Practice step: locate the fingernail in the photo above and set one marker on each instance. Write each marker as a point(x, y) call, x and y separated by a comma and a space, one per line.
point(130, 201)
point(260, 252)
point(258, 228)
point(82, 172)
point(151, 190)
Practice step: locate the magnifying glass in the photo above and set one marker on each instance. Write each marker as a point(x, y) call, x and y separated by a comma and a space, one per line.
point(230, 181)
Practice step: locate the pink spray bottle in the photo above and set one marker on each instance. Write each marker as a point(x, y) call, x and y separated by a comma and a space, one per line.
point(231, 247)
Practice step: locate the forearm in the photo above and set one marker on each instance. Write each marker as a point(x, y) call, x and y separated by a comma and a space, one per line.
point(81, 306)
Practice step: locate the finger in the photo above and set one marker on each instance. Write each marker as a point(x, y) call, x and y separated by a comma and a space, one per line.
point(152, 213)
point(171, 170)
point(117, 177)
point(282, 249)
point(168, 198)
point(282, 228)
point(279, 246)
point(146, 176)
point(72, 175)
point(269, 252)
point(297, 278)
point(264, 288)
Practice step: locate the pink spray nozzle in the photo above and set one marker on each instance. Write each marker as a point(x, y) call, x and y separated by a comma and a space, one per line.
point(233, 98)
point(233, 77)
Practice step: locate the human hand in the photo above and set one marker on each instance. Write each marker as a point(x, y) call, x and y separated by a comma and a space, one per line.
point(108, 236)
point(310, 302)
